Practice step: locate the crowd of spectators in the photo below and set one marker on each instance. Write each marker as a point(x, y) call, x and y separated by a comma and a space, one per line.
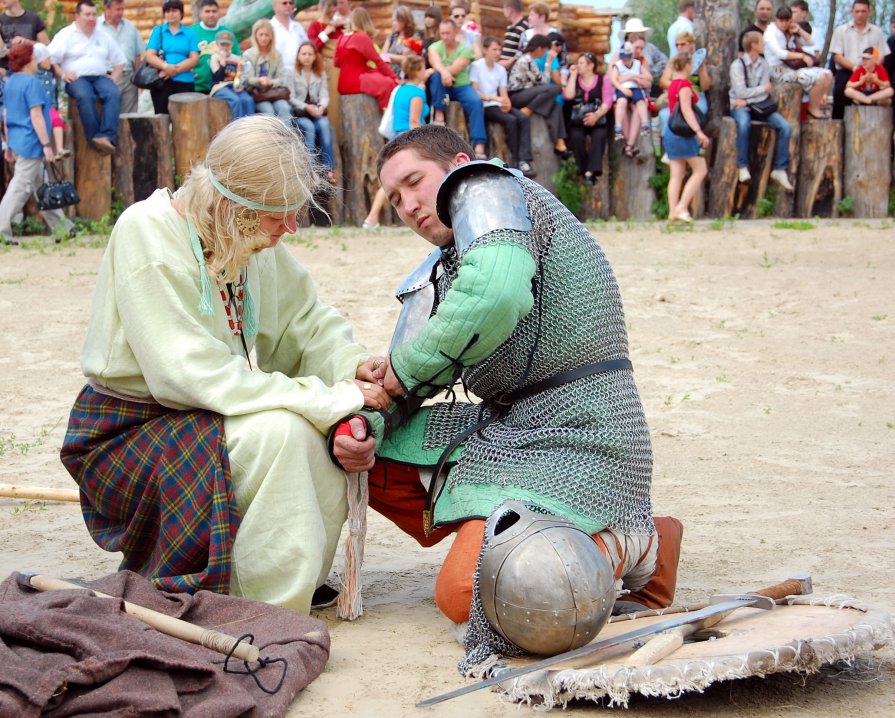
point(585, 99)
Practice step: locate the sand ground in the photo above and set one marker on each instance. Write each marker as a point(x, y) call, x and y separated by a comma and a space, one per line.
point(764, 356)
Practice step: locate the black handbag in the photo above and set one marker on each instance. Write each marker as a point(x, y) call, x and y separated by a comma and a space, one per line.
point(57, 192)
point(762, 109)
point(580, 109)
point(678, 124)
point(147, 77)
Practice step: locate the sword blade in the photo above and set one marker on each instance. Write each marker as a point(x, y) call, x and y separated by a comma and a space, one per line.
point(595, 648)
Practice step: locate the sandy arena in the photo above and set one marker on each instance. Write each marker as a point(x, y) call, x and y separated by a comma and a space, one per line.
point(764, 356)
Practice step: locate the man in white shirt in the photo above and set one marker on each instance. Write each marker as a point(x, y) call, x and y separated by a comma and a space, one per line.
point(684, 23)
point(288, 34)
point(131, 45)
point(814, 80)
point(81, 57)
point(849, 41)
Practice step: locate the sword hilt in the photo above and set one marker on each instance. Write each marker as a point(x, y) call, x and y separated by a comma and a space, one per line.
point(796, 586)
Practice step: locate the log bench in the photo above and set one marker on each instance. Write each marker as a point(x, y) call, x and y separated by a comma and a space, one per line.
point(727, 196)
point(93, 172)
point(819, 187)
point(195, 120)
point(630, 194)
point(140, 137)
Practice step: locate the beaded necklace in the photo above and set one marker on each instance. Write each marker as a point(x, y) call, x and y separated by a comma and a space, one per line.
point(234, 300)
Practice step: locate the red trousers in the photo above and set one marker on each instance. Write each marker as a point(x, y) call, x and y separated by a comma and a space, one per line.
point(397, 494)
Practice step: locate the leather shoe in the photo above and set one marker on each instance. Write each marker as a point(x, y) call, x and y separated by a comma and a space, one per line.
point(103, 144)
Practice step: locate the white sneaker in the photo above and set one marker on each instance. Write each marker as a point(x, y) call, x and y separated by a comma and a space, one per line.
point(744, 175)
point(779, 176)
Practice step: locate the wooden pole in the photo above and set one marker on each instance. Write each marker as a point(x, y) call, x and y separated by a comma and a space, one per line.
point(38, 493)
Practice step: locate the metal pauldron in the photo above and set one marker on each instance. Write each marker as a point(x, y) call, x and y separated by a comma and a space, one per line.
point(479, 197)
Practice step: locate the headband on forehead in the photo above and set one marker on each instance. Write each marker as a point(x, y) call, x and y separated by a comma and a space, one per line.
point(247, 202)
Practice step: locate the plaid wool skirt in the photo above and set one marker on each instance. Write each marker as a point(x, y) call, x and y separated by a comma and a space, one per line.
point(155, 485)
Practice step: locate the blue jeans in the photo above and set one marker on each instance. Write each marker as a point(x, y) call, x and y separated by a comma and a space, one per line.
point(280, 108)
point(241, 103)
point(314, 130)
point(85, 91)
point(470, 101)
point(743, 118)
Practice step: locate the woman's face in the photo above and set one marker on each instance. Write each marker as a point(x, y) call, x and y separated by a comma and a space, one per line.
point(274, 225)
point(264, 38)
point(306, 56)
point(173, 15)
point(584, 65)
point(638, 47)
point(535, 19)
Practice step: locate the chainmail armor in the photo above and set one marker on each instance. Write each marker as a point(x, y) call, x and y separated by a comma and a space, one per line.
point(586, 443)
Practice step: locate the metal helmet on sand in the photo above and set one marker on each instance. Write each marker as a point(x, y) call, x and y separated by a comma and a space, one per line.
point(544, 584)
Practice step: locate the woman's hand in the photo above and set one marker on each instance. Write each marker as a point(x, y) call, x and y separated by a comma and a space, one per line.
point(375, 396)
point(590, 119)
point(702, 139)
point(166, 71)
point(354, 450)
point(49, 155)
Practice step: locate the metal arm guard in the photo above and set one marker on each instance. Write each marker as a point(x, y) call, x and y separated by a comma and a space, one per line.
point(480, 197)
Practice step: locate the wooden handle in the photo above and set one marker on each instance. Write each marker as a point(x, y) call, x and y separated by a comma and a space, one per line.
point(791, 587)
point(657, 648)
point(39, 493)
point(170, 626)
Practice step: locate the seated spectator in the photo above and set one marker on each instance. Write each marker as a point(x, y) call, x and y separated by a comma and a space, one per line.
point(363, 71)
point(635, 30)
point(409, 110)
point(590, 95)
point(489, 79)
point(431, 22)
point(288, 33)
point(450, 59)
point(683, 152)
point(81, 57)
point(814, 80)
point(205, 30)
point(328, 27)
point(626, 76)
point(532, 92)
point(174, 50)
point(458, 11)
point(226, 74)
point(404, 39)
point(750, 82)
point(51, 87)
point(846, 46)
point(26, 141)
point(869, 84)
point(263, 70)
point(538, 23)
point(129, 40)
point(309, 97)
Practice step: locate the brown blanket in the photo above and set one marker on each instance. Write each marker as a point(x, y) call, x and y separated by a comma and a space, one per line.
point(67, 653)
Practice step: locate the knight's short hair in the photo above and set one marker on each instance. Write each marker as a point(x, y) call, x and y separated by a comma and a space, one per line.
point(436, 143)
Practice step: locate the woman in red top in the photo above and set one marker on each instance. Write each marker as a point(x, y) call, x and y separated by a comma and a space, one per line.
point(683, 151)
point(354, 51)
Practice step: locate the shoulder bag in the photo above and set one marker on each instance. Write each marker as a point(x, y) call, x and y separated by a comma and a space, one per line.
point(269, 94)
point(57, 192)
point(677, 123)
point(759, 109)
point(580, 109)
point(147, 77)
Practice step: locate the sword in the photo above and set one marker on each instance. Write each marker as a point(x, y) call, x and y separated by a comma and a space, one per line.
point(710, 615)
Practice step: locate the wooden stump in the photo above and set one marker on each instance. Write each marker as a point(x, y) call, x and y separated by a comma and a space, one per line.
point(455, 118)
point(359, 146)
point(596, 196)
point(723, 170)
point(93, 172)
point(631, 196)
point(867, 160)
point(544, 161)
point(497, 143)
point(729, 197)
point(190, 131)
point(219, 116)
point(789, 102)
point(819, 188)
point(143, 160)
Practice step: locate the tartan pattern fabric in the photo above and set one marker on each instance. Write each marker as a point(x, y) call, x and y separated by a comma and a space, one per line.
point(155, 485)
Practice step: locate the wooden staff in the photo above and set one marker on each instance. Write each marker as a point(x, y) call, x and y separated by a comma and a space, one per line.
point(170, 626)
point(38, 493)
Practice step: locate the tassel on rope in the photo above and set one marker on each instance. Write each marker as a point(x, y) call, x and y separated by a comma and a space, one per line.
point(350, 603)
